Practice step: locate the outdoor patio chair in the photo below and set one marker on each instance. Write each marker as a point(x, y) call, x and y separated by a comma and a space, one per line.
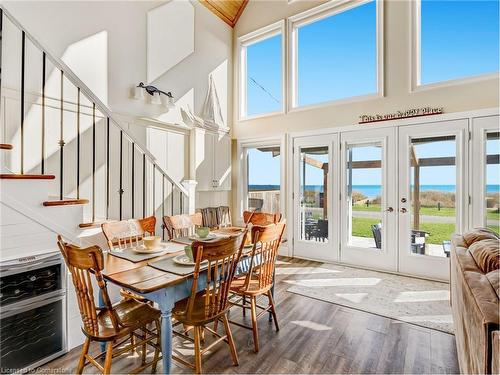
point(377, 235)
point(417, 239)
point(321, 231)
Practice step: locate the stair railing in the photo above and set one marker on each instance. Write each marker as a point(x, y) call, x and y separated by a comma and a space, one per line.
point(148, 159)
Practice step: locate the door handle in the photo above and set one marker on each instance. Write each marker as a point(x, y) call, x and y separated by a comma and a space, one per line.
point(403, 210)
point(390, 209)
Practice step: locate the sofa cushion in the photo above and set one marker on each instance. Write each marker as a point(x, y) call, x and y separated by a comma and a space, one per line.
point(486, 254)
point(479, 234)
point(494, 279)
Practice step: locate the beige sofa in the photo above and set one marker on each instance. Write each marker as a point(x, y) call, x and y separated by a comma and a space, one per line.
point(475, 291)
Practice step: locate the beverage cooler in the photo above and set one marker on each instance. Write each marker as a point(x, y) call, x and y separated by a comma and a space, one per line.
point(32, 312)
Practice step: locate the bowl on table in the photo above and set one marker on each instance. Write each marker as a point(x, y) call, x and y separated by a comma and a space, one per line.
point(189, 252)
point(202, 232)
point(151, 242)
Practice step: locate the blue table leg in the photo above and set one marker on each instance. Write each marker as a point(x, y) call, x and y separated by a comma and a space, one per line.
point(166, 340)
point(166, 300)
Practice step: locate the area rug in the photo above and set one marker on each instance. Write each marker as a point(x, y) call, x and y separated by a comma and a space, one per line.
point(420, 302)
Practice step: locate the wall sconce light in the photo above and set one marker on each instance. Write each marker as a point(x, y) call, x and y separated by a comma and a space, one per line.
point(167, 99)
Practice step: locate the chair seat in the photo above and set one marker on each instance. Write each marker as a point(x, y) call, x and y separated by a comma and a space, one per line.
point(132, 314)
point(238, 286)
point(200, 314)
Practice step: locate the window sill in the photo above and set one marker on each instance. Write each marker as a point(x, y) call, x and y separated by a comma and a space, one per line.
point(264, 115)
point(454, 82)
point(336, 102)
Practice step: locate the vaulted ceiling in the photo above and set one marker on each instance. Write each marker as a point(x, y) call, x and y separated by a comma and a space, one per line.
point(227, 10)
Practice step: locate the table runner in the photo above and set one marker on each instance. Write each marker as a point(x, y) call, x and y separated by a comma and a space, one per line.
point(189, 241)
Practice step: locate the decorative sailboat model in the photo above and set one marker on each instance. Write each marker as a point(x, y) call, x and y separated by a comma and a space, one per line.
point(211, 114)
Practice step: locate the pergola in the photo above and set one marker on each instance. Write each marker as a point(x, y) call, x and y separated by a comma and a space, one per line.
point(416, 162)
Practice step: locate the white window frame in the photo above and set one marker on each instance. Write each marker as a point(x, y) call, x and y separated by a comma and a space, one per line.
point(477, 183)
point(316, 14)
point(415, 63)
point(244, 41)
point(242, 189)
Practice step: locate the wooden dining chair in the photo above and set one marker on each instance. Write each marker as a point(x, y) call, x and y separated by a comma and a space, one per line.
point(128, 233)
point(110, 324)
point(210, 218)
point(259, 278)
point(224, 216)
point(182, 225)
point(211, 303)
point(261, 218)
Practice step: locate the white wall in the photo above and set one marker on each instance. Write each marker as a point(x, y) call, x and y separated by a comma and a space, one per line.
point(105, 44)
point(65, 27)
point(397, 54)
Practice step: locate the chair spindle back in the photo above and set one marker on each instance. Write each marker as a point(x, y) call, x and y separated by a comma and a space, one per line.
point(222, 257)
point(127, 233)
point(82, 263)
point(267, 240)
point(182, 225)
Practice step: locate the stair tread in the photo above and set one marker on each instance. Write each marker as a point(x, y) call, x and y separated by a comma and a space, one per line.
point(65, 202)
point(92, 224)
point(13, 176)
point(5, 146)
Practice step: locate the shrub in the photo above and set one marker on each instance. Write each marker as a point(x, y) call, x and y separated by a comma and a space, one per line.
point(431, 198)
point(493, 200)
point(357, 196)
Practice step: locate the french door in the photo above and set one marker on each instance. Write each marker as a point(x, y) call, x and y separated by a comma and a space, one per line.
point(392, 198)
point(315, 158)
point(368, 198)
point(432, 195)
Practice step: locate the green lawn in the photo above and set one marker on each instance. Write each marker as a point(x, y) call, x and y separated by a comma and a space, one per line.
point(493, 215)
point(361, 227)
point(439, 232)
point(428, 211)
point(431, 211)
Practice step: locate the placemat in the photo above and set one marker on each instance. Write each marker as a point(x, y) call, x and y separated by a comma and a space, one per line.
point(168, 265)
point(188, 241)
point(129, 254)
point(134, 257)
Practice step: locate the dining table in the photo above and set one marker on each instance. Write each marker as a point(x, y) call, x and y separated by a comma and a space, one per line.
point(160, 286)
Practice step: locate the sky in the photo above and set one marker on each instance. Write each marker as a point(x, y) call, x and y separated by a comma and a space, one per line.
point(264, 76)
point(458, 39)
point(331, 66)
point(263, 168)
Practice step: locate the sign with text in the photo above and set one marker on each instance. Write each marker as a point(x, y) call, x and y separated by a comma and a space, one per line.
point(413, 112)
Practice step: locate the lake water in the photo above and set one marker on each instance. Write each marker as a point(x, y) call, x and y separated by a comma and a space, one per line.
point(372, 191)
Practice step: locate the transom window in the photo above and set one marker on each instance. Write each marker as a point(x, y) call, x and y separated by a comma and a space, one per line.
point(261, 71)
point(456, 39)
point(334, 53)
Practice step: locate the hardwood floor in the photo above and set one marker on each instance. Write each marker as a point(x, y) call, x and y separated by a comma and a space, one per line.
point(314, 337)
